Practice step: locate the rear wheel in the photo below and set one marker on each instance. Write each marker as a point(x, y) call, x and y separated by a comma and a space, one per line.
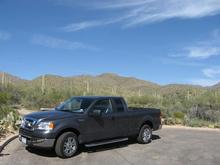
point(145, 134)
point(66, 145)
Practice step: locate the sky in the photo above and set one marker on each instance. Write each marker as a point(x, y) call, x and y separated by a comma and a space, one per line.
point(172, 41)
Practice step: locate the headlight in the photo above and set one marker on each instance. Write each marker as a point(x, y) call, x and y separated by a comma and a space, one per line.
point(46, 126)
point(22, 122)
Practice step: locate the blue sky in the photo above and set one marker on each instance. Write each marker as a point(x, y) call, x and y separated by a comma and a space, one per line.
point(170, 41)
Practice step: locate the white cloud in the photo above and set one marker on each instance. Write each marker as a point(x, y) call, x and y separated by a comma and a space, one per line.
point(204, 82)
point(180, 62)
point(53, 42)
point(212, 77)
point(119, 4)
point(161, 10)
point(211, 72)
point(132, 13)
point(4, 35)
point(89, 24)
point(81, 25)
point(203, 51)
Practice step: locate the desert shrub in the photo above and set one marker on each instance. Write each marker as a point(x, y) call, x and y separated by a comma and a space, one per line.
point(8, 119)
point(166, 113)
point(35, 99)
point(204, 113)
point(4, 98)
point(197, 123)
point(173, 121)
point(217, 125)
point(212, 115)
point(143, 101)
point(169, 121)
point(179, 115)
point(178, 121)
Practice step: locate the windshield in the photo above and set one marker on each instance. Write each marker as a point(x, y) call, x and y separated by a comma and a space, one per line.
point(78, 105)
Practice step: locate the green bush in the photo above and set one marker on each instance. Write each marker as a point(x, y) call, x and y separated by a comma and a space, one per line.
point(169, 121)
point(197, 123)
point(217, 125)
point(179, 115)
point(8, 119)
point(4, 98)
point(204, 112)
point(5, 110)
point(179, 121)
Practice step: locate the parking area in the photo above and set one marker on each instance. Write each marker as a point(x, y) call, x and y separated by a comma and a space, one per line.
point(169, 146)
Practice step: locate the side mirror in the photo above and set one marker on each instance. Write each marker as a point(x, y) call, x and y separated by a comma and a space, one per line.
point(95, 113)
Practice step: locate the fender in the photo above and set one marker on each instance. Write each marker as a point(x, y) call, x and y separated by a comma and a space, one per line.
point(70, 125)
point(146, 119)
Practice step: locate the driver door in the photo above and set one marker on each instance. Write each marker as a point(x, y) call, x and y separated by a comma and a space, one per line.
point(103, 126)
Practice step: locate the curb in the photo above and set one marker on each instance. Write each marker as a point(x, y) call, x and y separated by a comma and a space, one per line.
point(7, 142)
point(191, 128)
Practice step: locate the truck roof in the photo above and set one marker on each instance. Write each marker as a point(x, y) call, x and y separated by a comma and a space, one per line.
point(98, 97)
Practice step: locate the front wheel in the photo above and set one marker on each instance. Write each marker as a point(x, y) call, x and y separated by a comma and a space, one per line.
point(145, 134)
point(66, 145)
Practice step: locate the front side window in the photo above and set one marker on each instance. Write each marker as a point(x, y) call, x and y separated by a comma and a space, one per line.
point(75, 105)
point(103, 105)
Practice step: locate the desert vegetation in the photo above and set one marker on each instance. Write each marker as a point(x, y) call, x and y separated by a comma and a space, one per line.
point(8, 115)
point(180, 104)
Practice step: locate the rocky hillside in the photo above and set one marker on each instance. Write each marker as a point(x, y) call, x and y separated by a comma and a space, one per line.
point(106, 83)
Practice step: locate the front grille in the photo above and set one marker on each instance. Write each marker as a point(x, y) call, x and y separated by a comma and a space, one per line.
point(26, 132)
point(30, 134)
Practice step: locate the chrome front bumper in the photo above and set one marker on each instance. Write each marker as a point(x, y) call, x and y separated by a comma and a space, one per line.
point(37, 142)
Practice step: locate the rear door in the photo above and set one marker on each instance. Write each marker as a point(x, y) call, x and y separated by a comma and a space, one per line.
point(122, 117)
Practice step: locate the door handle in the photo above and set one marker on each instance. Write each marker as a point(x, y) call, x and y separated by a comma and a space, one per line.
point(81, 120)
point(111, 117)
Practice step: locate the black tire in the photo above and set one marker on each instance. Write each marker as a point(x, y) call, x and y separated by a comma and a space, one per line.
point(66, 142)
point(145, 134)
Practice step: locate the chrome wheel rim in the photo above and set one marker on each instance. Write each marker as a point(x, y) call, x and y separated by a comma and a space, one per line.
point(146, 135)
point(69, 146)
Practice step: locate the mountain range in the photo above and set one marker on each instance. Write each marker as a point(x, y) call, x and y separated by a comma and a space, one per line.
point(100, 84)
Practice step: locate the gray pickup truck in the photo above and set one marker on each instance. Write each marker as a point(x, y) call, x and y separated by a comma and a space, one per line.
point(88, 120)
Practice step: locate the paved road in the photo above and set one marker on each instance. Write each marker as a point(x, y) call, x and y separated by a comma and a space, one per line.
point(170, 146)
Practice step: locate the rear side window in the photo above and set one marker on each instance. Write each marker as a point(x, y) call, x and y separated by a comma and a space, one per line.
point(119, 105)
point(103, 105)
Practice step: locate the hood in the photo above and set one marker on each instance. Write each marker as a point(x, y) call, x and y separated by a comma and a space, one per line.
point(51, 115)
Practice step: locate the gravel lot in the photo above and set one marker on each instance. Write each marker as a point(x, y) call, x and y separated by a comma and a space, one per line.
point(169, 146)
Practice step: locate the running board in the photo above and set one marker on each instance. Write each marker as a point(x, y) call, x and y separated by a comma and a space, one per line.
point(106, 142)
